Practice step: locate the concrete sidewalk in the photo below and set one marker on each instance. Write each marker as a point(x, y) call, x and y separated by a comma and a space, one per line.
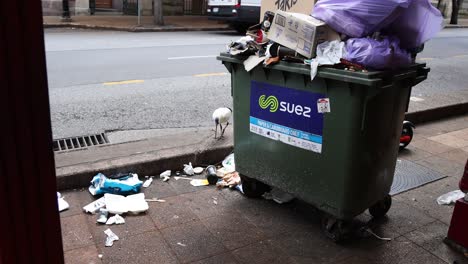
point(130, 23)
point(462, 23)
point(204, 225)
point(172, 23)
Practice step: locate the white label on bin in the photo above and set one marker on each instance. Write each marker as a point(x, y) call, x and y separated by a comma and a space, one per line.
point(286, 115)
point(323, 105)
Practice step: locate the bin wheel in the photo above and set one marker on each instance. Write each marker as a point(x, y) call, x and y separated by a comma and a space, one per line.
point(253, 188)
point(381, 208)
point(406, 134)
point(334, 228)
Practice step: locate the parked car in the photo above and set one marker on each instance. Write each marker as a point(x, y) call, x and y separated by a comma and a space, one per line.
point(239, 14)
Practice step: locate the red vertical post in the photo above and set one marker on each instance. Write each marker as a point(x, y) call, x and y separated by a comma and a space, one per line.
point(29, 220)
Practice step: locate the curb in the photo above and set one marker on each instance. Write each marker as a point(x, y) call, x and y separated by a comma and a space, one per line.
point(79, 176)
point(437, 113)
point(456, 26)
point(133, 29)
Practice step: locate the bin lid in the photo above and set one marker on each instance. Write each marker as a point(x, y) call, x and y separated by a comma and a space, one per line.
point(378, 79)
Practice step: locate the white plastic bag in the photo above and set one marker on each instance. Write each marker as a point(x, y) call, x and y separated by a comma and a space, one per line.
point(328, 53)
point(229, 163)
point(450, 197)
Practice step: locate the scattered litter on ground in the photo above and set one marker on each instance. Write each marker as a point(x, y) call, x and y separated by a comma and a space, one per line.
point(449, 198)
point(103, 216)
point(211, 175)
point(62, 204)
point(155, 200)
point(177, 173)
point(188, 169)
point(230, 180)
point(229, 163)
point(123, 185)
point(95, 206)
point(116, 219)
point(165, 176)
point(368, 230)
point(278, 196)
point(239, 188)
point(118, 204)
point(181, 244)
point(111, 237)
point(182, 178)
point(221, 172)
point(175, 217)
point(198, 170)
point(100, 256)
point(199, 182)
point(215, 202)
point(148, 182)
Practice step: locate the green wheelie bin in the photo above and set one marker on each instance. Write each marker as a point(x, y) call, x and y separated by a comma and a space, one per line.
point(331, 142)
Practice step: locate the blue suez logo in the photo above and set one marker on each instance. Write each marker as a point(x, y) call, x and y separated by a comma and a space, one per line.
point(273, 104)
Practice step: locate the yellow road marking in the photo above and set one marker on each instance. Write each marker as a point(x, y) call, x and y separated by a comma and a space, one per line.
point(123, 82)
point(461, 56)
point(210, 74)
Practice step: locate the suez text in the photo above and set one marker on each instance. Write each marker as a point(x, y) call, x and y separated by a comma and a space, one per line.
point(297, 109)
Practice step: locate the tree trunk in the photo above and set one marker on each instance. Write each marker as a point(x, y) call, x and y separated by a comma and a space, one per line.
point(158, 12)
point(438, 4)
point(456, 6)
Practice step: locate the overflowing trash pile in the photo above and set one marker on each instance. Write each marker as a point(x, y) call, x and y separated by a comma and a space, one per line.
point(354, 35)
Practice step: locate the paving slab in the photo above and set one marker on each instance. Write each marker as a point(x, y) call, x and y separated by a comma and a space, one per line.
point(192, 241)
point(431, 237)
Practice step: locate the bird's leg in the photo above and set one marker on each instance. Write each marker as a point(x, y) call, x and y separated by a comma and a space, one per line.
point(222, 132)
point(216, 131)
point(221, 129)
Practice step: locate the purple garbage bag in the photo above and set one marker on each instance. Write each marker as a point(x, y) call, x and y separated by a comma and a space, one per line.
point(417, 24)
point(359, 18)
point(379, 55)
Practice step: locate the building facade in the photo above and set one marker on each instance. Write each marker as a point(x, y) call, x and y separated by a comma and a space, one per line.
point(128, 7)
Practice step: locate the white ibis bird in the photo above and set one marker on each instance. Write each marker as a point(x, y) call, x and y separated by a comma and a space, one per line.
point(221, 116)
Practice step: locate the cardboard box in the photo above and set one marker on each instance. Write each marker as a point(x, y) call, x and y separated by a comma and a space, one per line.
point(296, 6)
point(300, 32)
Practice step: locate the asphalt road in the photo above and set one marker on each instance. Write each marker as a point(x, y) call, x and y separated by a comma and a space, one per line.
point(110, 81)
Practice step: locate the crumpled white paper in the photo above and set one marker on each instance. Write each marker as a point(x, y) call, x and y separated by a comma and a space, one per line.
point(62, 204)
point(111, 237)
point(95, 206)
point(328, 53)
point(116, 219)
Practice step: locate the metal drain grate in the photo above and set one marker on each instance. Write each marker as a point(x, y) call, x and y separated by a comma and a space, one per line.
point(409, 175)
point(80, 142)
